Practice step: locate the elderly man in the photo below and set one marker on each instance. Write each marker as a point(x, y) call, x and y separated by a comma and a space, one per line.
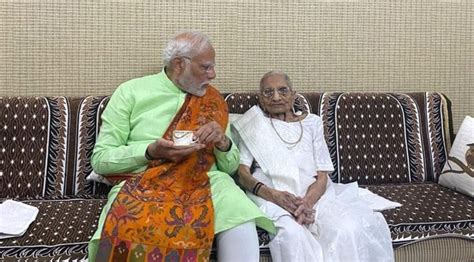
point(174, 198)
point(316, 219)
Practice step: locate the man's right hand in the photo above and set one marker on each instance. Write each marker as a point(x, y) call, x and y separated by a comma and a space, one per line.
point(286, 200)
point(165, 149)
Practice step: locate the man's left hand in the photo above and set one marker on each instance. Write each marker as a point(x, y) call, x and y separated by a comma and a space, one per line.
point(212, 133)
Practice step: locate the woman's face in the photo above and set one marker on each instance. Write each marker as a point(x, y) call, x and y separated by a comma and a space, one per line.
point(276, 97)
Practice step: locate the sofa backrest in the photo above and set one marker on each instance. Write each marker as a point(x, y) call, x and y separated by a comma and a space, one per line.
point(87, 111)
point(33, 147)
point(378, 138)
point(373, 138)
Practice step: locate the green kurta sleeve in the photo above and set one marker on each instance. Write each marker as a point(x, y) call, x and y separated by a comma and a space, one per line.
point(112, 152)
point(228, 162)
point(138, 113)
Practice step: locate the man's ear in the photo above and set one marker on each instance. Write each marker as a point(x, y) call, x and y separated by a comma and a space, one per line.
point(178, 64)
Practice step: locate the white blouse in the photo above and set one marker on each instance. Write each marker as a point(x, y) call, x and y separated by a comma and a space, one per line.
point(311, 152)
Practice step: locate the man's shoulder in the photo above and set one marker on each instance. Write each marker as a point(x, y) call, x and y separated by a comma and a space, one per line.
point(139, 81)
point(137, 86)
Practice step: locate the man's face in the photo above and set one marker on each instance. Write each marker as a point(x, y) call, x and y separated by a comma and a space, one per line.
point(276, 97)
point(198, 72)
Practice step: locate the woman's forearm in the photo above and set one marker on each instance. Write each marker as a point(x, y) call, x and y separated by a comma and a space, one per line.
point(317, 189)
point(249, 182)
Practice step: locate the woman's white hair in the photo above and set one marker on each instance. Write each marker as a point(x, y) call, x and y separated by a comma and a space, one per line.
point(276, 72)
point(185, 44)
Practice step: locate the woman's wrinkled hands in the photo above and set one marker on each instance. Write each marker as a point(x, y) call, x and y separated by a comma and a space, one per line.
point(165, 149)
point(300, 208)
point(305, 213)
point(286, 200)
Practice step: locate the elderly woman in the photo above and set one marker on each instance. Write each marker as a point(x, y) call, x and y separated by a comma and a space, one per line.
point(316, 219)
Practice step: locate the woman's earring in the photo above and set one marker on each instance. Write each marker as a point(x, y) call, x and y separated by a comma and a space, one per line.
point(295, 105)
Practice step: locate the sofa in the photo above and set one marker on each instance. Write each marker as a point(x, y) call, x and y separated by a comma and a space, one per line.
point(391, 143)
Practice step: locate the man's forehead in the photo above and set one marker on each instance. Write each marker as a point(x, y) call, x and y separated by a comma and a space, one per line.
point(206, 54)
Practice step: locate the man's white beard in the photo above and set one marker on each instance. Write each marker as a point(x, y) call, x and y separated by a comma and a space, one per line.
point(190, 85)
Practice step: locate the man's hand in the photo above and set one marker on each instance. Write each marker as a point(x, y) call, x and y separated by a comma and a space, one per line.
point(166, 149)
point(286, 200)
point(212, 133)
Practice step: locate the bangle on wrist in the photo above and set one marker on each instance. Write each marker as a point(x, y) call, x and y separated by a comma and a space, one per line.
point(256, 188)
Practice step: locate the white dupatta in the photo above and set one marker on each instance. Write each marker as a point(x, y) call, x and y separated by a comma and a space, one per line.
point(272, 155)
point(279, 164)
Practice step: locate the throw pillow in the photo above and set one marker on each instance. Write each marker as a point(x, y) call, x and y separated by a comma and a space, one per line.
point(97, 178)
point(458, 172)
point(110, 180)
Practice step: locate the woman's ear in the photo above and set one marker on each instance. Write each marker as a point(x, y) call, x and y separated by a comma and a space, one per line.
point(261, 104)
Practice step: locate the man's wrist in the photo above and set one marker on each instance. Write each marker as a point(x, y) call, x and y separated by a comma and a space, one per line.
point(147, 155)
point(225, 145)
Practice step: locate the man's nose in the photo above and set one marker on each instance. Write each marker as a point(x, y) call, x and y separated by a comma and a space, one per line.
point(211, 74)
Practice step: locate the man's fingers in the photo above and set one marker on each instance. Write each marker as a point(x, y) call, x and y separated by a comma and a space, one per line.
point(164, 143)
point(185, 150)
point(206, 128)
point(209, 133)
point(199, 134)
point(166, 149)
point(207, 137)
point(178, 153)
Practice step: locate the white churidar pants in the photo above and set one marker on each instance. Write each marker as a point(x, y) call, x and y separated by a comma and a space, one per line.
point(238, 244)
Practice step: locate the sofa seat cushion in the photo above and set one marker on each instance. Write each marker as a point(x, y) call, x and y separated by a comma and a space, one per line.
point(61, 230)
point(427, 209)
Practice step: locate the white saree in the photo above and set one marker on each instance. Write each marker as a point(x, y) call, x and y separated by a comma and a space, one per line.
point(345, 228)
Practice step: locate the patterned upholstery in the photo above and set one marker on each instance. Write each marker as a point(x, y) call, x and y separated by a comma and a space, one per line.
point(436, 120)
point(409, 132)
point(61, 230)
point(374, 138)
point(33, 148)
point(88, 114)
point(428, 209)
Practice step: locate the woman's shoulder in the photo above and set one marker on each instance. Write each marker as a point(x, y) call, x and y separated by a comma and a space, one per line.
point(312, 118)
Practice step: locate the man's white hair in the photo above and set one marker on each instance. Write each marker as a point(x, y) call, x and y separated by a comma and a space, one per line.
point(185, 44)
